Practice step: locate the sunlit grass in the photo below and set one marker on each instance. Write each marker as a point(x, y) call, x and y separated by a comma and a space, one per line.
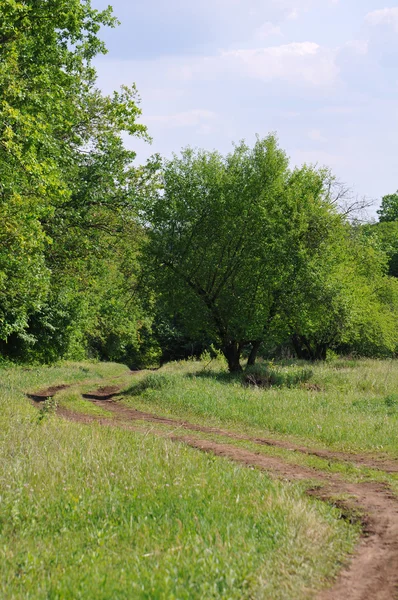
point(350, 405)
point(73, 401)
point(348, 471)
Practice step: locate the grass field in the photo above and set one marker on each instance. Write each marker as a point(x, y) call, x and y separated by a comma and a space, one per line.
point(93, 512)
point(349, 405)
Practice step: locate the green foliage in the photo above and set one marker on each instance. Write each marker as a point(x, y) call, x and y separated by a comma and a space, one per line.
point(41, 81)
point(120, 330)
point(389, 208)
point(49, 408)
point(244, 252)
point(384, 236)
point(143, 265)
point(173, 338)
point(67, 192)
point(227, 235)
point(342, 300)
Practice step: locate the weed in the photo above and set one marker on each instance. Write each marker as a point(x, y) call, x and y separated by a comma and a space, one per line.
point(49, 407)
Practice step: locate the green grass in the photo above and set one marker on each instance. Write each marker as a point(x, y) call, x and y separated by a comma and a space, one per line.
point(93, 512)
point(347, 405)
point(348, 471)
point(72, 400)
point(30, 379)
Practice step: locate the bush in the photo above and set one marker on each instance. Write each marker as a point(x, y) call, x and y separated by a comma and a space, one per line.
point(153, 381)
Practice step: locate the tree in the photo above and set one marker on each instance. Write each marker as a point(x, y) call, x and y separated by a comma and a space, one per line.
point(389, 208)
point(343, 300)
point(224, 239)
point(38, 80)
point(384, 237)
point(67, 184)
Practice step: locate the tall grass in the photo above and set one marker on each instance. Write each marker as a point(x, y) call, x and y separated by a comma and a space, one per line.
point(348, 405)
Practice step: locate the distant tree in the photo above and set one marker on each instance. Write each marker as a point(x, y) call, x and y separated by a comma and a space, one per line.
point(343, 299)
point(225, 240)
point(389, 208)
point(384, 236)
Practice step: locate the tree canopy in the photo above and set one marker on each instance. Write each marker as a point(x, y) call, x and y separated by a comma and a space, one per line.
point(389, 208)
point(66, 180)
point(229, 235)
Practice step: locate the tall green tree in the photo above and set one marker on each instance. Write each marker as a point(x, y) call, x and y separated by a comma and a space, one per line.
point(66, 181)
point(225, 239)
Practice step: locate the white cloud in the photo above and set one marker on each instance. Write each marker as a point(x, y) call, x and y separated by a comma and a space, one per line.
point(257, 83)
point(304, 62)
point(385, 16)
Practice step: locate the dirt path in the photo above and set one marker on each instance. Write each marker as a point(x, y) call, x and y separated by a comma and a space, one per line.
point(109, 392)
point(372, 573)
point(103, 395)
point(47, 393)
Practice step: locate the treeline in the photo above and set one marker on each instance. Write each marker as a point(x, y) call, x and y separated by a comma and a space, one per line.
point(101, 258)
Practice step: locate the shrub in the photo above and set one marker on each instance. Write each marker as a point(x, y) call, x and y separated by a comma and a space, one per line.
point(153, 381)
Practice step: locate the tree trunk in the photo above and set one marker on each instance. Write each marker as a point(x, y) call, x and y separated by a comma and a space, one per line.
point(321, 352)
point(253, 353)
point(232, 352)
point(299, 348)
point(307, 351)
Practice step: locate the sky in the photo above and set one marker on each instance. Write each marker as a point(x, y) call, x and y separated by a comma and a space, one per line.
point(322, 74)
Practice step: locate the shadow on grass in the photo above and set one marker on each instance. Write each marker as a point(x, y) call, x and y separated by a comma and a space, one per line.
point(263, 376)
point(220, 376)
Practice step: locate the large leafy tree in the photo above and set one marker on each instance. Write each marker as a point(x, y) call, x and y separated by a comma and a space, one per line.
point(66, 180)
point(227, 236)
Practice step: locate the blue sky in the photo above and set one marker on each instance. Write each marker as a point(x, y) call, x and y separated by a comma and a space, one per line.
point(322, 74)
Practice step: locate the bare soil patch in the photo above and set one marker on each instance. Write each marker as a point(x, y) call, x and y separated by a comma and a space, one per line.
point(49, 392)
point(103, 393)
